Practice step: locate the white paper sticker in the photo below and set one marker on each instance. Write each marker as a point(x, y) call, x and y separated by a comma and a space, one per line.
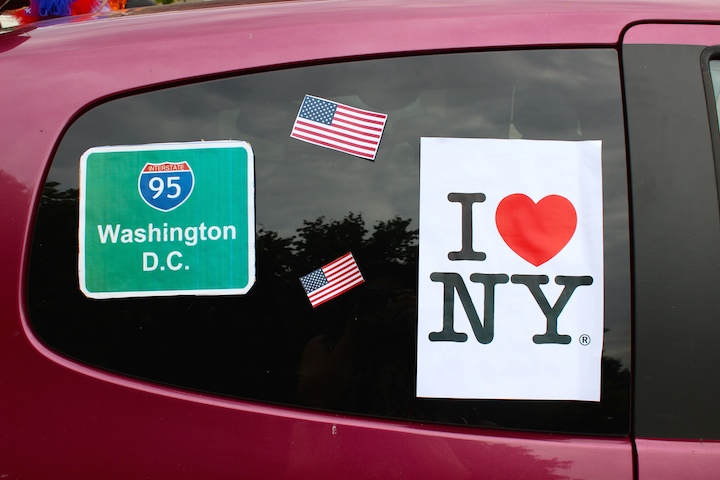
point(510, 299)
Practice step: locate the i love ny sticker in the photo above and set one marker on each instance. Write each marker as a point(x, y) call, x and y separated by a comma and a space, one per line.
point(510, 295)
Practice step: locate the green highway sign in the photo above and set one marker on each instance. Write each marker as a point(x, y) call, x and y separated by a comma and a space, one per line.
point(167, 219)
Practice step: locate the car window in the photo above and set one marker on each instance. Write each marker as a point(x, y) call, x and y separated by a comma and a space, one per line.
point(715, 77)
point(314, 202)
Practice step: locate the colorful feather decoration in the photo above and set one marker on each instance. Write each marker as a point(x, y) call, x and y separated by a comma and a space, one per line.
point(43, 9)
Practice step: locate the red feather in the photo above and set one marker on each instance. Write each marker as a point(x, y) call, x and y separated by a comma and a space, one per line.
point(79, 7)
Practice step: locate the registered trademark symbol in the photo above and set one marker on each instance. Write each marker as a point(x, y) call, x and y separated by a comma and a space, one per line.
point(584, 339)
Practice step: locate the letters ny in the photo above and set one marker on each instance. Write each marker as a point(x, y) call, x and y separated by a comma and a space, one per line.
point(484, 330)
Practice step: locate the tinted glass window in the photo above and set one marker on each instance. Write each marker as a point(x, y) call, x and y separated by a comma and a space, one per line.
point(715, 76)
point(313, 205)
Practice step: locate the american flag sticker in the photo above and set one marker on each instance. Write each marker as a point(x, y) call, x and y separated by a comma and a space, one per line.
point(333, 279)
point(340, 127)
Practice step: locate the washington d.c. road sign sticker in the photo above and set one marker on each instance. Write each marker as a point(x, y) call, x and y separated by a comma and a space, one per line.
point(167, 219)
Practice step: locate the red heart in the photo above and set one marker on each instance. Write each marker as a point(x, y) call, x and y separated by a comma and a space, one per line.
point(536, 232)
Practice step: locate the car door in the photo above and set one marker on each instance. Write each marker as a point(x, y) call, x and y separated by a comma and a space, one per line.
point(672, 125)
point(113, 370)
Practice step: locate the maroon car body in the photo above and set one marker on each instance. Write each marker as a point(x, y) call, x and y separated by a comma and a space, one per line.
point(64, 418)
